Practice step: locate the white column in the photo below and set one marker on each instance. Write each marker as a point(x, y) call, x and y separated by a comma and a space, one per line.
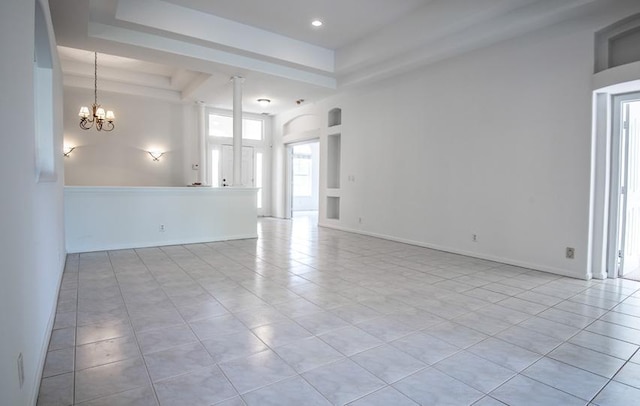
point(237, 130)
point(202, 144)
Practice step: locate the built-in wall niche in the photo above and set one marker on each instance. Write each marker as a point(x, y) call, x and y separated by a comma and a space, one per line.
point(333, 208)
point(43, 100)
point(617, 44)
point(333, 161)
point(335, 117)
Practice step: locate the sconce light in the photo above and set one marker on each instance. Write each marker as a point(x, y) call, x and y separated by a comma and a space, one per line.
point(155, 155)
point(67, 151)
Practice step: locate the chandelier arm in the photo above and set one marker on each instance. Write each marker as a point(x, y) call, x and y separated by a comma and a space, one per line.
point(86, 124)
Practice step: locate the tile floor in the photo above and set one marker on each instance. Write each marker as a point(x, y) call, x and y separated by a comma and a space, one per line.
point(308, 316)
point(634, 276)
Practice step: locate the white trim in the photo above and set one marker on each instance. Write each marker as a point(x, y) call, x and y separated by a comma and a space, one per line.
point(177, 190)
point(164, 243)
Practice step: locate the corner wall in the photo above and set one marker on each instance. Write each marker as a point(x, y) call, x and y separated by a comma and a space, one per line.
point(495, 142)
point(32, 249)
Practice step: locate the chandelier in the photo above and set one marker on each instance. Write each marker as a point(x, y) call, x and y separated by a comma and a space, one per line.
point(96, 115)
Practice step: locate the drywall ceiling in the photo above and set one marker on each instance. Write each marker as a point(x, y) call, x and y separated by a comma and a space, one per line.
point(190, 48)
point(344, 21)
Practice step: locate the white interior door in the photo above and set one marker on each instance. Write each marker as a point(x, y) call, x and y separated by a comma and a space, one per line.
point(630, 230)
point(248, 173)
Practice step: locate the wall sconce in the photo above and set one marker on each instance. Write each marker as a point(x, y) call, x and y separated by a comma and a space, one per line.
point(155, 155)
point(66, 151)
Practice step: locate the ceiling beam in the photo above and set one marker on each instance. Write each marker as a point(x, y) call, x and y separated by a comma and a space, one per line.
point(203, 53)
point(172, 18)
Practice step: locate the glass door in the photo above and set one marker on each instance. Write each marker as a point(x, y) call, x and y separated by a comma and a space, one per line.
point(624, 237)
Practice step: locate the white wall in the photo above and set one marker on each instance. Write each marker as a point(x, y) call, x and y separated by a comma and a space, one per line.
point(108, 218)
point(31, 219)
point(495, 142)
point(119, 157)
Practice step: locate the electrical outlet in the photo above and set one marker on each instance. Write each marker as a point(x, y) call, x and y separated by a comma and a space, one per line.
point(570, 253)
point(20, 370)
point(474, 237)
point(161, 228)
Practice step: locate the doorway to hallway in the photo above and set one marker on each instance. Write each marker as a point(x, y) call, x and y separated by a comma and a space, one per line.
point(304, 179)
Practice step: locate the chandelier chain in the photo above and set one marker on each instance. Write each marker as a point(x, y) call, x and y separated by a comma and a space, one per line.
point(95, 78)
point(103, 120)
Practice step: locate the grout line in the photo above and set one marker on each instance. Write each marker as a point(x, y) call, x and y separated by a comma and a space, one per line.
point(75, 341)
point(320, 266)
point(133, 330)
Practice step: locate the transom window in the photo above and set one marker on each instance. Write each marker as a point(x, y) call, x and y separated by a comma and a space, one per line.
point(222, 126)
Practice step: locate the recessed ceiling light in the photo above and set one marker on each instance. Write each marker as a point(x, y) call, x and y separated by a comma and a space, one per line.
point(316, 23)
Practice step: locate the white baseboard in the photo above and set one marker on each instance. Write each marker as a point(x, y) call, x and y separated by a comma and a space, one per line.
point(502, 260)
point(45, 344)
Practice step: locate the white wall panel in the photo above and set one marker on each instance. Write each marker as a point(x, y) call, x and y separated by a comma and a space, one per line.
point(104, 218)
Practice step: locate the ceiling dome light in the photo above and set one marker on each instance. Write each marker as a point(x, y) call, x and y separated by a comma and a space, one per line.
point(264, 102)
point(316, 23)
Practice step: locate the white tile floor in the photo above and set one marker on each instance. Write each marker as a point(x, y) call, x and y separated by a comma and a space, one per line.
point(308, 316)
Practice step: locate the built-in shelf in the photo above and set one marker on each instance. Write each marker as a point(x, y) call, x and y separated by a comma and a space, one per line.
point(333, 208)
point(333, 161)
point(335, 117)
point(334, 152)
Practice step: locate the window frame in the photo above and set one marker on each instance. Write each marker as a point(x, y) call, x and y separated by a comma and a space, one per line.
point(246, 116)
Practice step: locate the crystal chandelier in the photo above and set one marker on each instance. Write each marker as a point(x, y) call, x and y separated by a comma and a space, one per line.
point(96, 115)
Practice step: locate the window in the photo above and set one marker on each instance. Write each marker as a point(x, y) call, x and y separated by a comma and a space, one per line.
point(215, 167)
point(259, 177)
point(222, 126)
